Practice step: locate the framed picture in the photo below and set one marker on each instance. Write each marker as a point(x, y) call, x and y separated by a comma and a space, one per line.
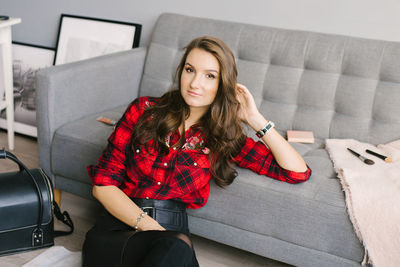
point(83, 37)
point(27, 60)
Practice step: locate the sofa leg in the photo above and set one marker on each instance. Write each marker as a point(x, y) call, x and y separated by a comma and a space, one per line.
point(57, 196)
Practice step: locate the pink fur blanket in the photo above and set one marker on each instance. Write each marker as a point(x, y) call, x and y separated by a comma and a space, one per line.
point(372, 197)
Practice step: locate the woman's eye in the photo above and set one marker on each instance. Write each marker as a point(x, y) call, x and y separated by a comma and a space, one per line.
point(188, 69)
point(210, 76)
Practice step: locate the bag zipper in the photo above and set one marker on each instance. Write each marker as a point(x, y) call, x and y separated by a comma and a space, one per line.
point(49, 185)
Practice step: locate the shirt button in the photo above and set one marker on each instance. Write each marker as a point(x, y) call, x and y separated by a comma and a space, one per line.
point(195, 164)
point(137, 150)
point(159, 183)
point(165, 164)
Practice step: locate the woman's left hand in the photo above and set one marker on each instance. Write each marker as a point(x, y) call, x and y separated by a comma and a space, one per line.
point(248, 109)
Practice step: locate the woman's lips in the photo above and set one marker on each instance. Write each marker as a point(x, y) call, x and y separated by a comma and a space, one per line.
point(193, 93)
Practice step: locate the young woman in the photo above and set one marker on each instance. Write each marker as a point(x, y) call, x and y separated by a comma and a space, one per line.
point(164, 152)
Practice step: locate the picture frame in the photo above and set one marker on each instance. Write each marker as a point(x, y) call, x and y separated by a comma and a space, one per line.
point(81, 37)
point(27, 60)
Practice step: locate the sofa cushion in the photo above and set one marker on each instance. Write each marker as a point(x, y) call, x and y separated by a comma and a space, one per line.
point(80, 143)
point(311, 214)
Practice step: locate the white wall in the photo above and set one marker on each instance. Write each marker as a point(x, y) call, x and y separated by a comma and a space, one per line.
point(376, 19)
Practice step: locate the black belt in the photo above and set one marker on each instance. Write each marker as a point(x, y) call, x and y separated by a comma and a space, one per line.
point(170, 214)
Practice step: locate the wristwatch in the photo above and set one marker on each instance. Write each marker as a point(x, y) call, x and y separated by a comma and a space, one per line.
point(265, 130)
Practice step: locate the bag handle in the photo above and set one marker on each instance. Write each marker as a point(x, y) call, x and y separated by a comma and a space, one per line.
point(64, 218)
point(61, 216)
point(5, 154)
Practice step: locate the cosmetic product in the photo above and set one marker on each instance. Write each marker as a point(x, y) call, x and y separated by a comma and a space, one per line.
point(300, 136)
point(387, 159)
point(363, 159)
point(107, 121)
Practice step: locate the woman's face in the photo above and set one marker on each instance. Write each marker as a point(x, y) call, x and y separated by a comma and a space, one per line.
point(200, 79)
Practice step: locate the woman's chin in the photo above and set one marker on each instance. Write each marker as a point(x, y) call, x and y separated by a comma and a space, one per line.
point(192, 102)
point(197, 106)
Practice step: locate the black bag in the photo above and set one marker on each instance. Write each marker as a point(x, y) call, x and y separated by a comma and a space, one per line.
point(26, 210)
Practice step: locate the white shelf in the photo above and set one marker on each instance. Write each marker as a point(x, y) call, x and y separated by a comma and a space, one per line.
point(20, 128)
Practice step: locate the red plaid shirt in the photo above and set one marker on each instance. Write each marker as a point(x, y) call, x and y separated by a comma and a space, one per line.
point(184, 174)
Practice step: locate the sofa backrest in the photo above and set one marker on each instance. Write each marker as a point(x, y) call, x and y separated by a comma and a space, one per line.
point(335, 86)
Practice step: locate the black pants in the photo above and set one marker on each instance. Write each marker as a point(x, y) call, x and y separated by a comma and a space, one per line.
point(112, 243)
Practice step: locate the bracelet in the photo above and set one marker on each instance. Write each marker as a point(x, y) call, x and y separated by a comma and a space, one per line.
point(265, 129)
point(138, 219)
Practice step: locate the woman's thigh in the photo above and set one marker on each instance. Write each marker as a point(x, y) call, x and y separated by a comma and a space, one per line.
point(113, 243)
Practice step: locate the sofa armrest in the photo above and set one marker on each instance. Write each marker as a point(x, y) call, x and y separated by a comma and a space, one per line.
point(72, 91)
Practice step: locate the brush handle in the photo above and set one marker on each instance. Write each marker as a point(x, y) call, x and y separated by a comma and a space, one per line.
point(353, 152)
point(376, 154)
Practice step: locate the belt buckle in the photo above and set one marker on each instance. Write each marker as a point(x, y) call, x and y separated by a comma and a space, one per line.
point(149, 211)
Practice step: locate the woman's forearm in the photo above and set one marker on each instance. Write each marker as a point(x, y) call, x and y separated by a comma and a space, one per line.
point(286, 156)
point(123, 208)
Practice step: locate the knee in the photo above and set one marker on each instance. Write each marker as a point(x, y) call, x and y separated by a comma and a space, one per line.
point(170, 250)
point(185, 239)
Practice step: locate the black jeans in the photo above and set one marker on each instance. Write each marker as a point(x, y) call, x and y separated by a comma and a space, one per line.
point(112, 243)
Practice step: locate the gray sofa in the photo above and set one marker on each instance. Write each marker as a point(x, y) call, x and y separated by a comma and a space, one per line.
point(335, 86)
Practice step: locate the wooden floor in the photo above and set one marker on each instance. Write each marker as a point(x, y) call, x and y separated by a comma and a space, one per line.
point(209, 253)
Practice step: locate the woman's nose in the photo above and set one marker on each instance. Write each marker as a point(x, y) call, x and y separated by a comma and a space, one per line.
point(196, 81)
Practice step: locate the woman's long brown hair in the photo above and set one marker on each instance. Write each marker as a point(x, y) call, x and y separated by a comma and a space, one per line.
point(220, 124)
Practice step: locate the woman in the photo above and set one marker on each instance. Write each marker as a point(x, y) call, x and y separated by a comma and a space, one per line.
point(163, 153)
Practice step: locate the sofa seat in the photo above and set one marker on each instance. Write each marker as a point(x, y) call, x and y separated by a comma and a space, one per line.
point(80, 143)
point(307, 213)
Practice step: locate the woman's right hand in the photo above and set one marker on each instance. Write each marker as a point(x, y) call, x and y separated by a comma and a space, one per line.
point(248, 111)
point(147, 224)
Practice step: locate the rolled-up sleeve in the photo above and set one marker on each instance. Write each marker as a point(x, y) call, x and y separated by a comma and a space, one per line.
point(257, 157)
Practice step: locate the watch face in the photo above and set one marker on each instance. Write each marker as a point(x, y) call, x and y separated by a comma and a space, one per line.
point(261, 132)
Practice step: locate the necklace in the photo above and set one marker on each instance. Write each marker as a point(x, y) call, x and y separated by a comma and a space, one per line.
point(168, 141)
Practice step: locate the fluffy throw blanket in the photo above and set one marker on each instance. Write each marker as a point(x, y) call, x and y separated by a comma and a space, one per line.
point(372, 197)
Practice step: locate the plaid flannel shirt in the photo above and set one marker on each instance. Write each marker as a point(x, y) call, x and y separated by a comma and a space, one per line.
point(184, 174)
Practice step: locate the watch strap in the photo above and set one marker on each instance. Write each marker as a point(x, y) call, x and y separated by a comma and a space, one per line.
point(265, 129)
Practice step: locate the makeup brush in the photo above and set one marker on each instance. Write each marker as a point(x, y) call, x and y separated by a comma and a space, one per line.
point(364, 159)
point(387, 159)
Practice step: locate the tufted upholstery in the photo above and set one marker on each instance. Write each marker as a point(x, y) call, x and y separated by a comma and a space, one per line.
point(336, 86)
